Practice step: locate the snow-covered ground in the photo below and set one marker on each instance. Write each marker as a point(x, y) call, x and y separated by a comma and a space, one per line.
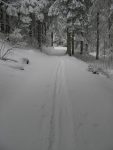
point(58, 51)
point(93, 54)
point(54, 104)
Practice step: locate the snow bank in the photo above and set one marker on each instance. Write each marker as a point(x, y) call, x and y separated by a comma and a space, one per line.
point(93, 54)
point(58, 51)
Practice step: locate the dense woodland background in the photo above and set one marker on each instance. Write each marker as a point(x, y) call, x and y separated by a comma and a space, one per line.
point(84, 25)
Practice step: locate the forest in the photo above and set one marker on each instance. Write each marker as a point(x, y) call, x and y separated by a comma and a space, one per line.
point(86, 25)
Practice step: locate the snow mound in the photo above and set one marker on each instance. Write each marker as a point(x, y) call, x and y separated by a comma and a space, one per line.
point(58, 51)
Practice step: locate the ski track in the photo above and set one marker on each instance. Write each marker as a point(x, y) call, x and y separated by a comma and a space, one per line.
point(61, 136)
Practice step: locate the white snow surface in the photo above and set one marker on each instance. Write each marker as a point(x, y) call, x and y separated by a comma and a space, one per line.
point(54, 104)
point(57, 51)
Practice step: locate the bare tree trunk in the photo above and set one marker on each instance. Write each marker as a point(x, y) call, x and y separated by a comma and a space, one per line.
point(109, 22)
point(45, 28)
point(35, 27)
point(51, 38)
point(39, 34)
point(86, 47)
point(32, 28)
point(68, 42)
point(109, 27)
point(98, 37)
point(0, 19)
point(10, 24)
point(4, 19)
point(81, 47)
point(19, 18)
point(73, 46)
point(42, 26)
point(87, 44)
point(44, 32)
point(104, 49)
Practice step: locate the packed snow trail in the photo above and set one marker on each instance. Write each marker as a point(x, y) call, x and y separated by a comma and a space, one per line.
point(61, 127)
point(55, 104)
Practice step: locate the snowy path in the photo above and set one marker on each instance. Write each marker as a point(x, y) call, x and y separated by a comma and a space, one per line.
point(55, 104)
point(61, 127)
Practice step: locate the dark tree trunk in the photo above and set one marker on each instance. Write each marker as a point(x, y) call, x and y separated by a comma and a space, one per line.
point(0, 18)
point(87, 44)
point(19, 19)
point(10, 24)
point(45, 28)
point(109, 22)
point(51, 38)
point(43, 33)
point(73, 46)
point(109, 27)
point(4, 19)
point(98, 37)
point(86, 47)
point(81, 47)
point(32, 28)
point(42, 28)
point(39, 34)
point(68, 43)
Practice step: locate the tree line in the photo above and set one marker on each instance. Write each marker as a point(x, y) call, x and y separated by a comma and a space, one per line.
point(87, 23)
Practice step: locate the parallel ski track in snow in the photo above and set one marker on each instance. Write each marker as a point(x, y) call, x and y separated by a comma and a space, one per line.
point(61, 134)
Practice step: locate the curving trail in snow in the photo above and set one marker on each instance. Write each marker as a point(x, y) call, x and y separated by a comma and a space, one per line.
point(55, 104)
